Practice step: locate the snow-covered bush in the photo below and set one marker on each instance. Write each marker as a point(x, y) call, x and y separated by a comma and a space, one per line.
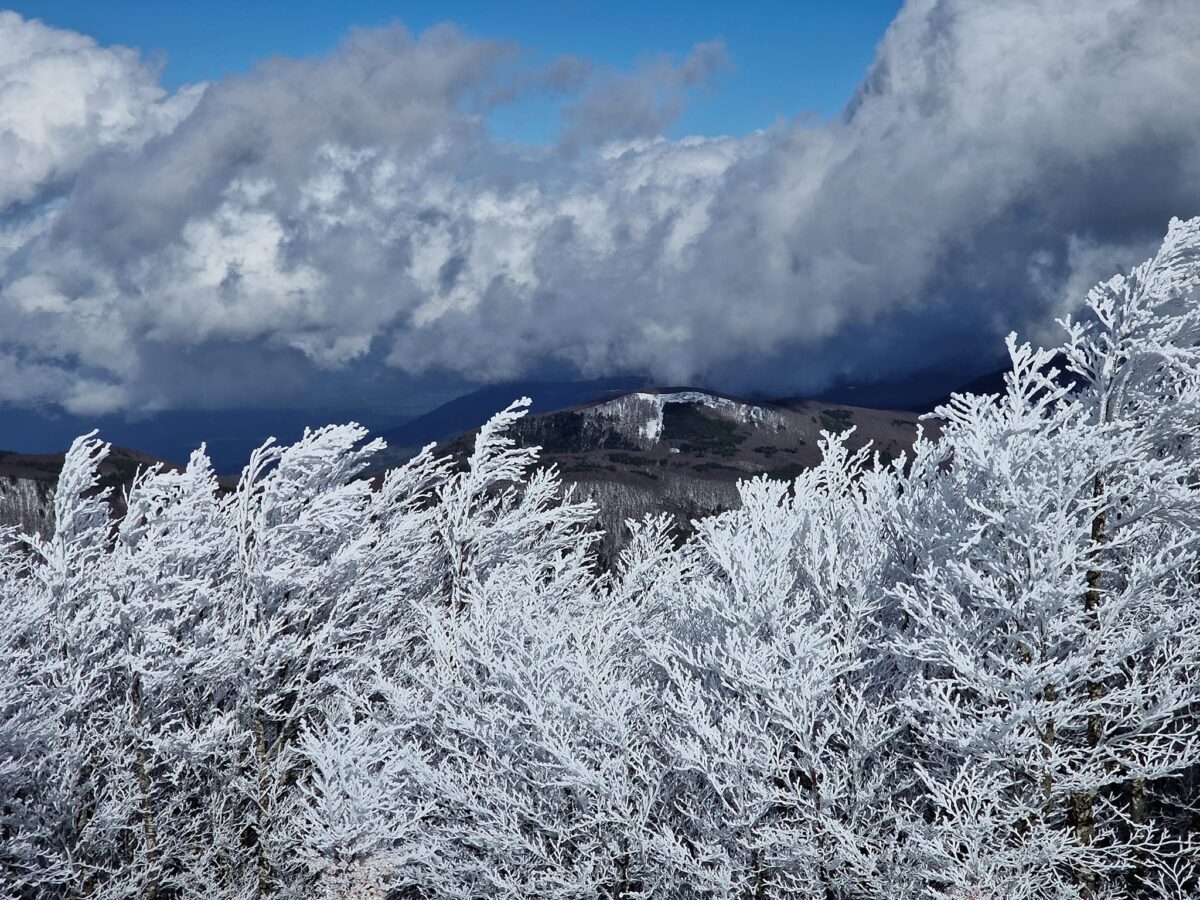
point(1053, 626)
point(970, 673)
point(777, 715)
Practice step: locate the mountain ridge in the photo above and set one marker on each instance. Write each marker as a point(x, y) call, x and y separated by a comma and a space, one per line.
point(631, 448)
point(683, 450)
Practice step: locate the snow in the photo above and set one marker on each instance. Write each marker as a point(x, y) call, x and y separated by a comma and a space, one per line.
point(639, 415)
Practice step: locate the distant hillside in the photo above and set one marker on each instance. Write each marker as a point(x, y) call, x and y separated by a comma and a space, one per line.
point(231, 434)
point(472, 410)
point(682, 450)
point(28, 480)
point(678, 450)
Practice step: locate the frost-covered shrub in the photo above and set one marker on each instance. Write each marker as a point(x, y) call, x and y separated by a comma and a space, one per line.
point(970, 672)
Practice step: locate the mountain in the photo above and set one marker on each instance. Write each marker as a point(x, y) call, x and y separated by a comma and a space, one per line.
point(472, 410)
point(678, 450)
point(683, 450)
point(230, 434)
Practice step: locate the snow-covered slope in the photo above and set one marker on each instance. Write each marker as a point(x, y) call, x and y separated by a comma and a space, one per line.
point(639, 415)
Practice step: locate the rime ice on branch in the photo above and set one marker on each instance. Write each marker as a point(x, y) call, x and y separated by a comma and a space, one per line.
point(968, 673)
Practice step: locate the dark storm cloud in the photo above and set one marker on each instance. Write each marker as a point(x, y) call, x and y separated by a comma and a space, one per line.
point(353, 211)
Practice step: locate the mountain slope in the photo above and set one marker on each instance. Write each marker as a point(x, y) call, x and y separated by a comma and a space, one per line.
point(675, 450)
point(468, 412)
point(683, 451)
point(28, 480)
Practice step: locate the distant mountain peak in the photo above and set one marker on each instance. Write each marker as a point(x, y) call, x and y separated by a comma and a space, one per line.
point(683, 450)
point(639, 415)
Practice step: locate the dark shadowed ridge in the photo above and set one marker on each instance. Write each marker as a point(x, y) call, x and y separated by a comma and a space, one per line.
point(918, 391)
point(991, 383)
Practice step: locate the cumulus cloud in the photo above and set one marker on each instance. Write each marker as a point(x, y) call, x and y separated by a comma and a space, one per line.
point(352, 214)
point(63, 99)
point(643, 103)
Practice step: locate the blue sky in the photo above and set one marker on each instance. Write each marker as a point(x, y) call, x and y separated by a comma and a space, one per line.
point(789, 58)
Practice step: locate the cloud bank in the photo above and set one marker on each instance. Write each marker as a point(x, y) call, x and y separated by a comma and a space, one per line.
point(336, 218)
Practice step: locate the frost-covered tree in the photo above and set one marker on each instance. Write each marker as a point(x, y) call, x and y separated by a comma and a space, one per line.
point(163, 673)
point(776, 709)
point(1054, 629)
point(507, 752)
point(969, 673)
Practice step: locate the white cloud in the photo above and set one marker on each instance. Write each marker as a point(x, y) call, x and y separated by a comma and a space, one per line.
point(63, 98)
point(349, 212)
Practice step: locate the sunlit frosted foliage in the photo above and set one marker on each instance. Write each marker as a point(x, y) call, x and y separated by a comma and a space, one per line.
point(968, 673)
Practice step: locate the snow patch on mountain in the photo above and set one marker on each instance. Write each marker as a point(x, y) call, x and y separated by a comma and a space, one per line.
point(638, 416)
